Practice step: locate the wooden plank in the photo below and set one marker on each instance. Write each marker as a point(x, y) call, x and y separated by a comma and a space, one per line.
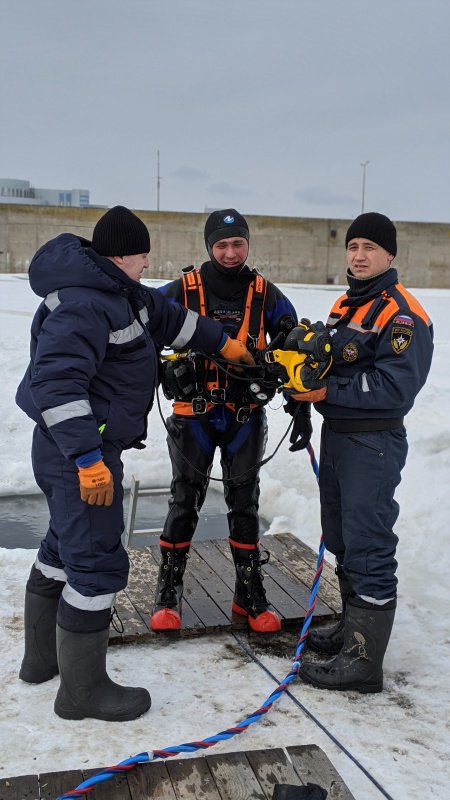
point(219, 559)
point(54, 784)
point(234, 777)
point(202, 601)
point(301, 562)
point(227, 776)
point(215, 586)
point(311, 764)
point(272, 767)
point(134, 627)
point(22, 787)
point(192, 779)
point(293, 585)
point(151, 781)
point(115, 788)
point(209, 588)
point(211, 616)
point(308, 555)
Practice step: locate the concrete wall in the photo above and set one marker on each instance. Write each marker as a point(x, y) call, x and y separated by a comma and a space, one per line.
point(285, 249)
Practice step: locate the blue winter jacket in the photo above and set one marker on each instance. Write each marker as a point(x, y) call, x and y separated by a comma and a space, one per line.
point(94, 347)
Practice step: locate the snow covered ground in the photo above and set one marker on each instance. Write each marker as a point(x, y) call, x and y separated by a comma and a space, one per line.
point(201, 687)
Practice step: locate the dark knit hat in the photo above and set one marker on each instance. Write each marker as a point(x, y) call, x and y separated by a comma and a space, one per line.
point(120, 233)
point(225, 224)
point(375, 227)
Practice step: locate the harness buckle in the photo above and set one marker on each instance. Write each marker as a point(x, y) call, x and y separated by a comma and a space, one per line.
point(252, 342)
point(199, 405)
point(243, 414)
point(218, 396)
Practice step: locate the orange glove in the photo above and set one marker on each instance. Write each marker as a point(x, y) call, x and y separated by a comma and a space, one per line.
point(234, 350)
point(313, 396)
point(96, 484)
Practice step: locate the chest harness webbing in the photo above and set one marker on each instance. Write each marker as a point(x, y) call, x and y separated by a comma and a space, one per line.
point(213, 385)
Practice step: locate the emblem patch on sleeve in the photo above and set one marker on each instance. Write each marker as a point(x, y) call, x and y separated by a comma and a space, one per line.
point(350, 352)
point(400, 338)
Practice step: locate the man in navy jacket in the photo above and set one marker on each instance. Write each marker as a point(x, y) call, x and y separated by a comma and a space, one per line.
point(382, 351)
point(89, 387)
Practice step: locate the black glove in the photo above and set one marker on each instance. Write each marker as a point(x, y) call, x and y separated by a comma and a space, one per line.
point(302, 428)
point(310, 376)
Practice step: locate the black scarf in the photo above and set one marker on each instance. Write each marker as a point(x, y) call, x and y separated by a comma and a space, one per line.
point(363, 289)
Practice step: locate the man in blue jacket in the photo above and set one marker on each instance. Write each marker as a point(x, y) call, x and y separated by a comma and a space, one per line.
point(382, 350)
point(89, 387)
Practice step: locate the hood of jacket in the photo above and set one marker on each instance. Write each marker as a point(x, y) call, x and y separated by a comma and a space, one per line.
point(69, 260)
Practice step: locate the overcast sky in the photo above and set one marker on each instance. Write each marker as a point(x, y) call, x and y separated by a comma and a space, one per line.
point(270, 106)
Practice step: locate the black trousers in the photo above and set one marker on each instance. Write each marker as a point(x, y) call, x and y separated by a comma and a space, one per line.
point(192, 443)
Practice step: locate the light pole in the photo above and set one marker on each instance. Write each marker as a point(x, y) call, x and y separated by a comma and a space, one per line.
point(364, 165)
point(158, 184)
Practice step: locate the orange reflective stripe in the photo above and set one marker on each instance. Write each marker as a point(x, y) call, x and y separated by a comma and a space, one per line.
point(172, 546)
point(192, 282)
point(414, 304)
point(260, 286)
point(386, 314)
point(243, 330)
point(243, 546)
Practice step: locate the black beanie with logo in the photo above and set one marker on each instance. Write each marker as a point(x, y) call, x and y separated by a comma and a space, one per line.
point(375, 227)
point(223, 225)
point(120, 233)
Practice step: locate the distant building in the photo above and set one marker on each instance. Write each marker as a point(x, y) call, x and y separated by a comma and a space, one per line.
point(13, 191)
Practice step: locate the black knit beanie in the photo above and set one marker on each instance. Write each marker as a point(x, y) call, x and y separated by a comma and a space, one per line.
point(223, 225)
point(375, 227)
point(120, 233)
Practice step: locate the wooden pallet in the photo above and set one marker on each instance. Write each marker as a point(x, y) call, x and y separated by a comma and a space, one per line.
point(251, 774)
point(209, 585)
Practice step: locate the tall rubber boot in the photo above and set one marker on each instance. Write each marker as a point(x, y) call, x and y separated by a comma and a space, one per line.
point(39, 663)
point(330, 640)
point(359, 665)
point(86, 690)
point(166, 615)
point(250, 596)
point(42, 595)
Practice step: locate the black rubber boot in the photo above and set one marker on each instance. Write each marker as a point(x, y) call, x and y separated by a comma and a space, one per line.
point(86, 690)
point(39, 663)
point(42, 595)
point(249, 594)
point(359, 665)
point(167, 609)
point(330, 640)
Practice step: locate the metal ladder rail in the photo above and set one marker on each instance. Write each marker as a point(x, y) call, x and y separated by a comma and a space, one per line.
point(135, 493)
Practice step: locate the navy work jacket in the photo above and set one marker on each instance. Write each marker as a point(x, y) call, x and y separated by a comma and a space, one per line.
point(95, 341)
point(382, 351)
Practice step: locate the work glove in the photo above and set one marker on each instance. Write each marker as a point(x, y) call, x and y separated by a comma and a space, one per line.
point(234, 350)
point(314, 396)
point(96, 484)
point(302, 428)
point(311, 380)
